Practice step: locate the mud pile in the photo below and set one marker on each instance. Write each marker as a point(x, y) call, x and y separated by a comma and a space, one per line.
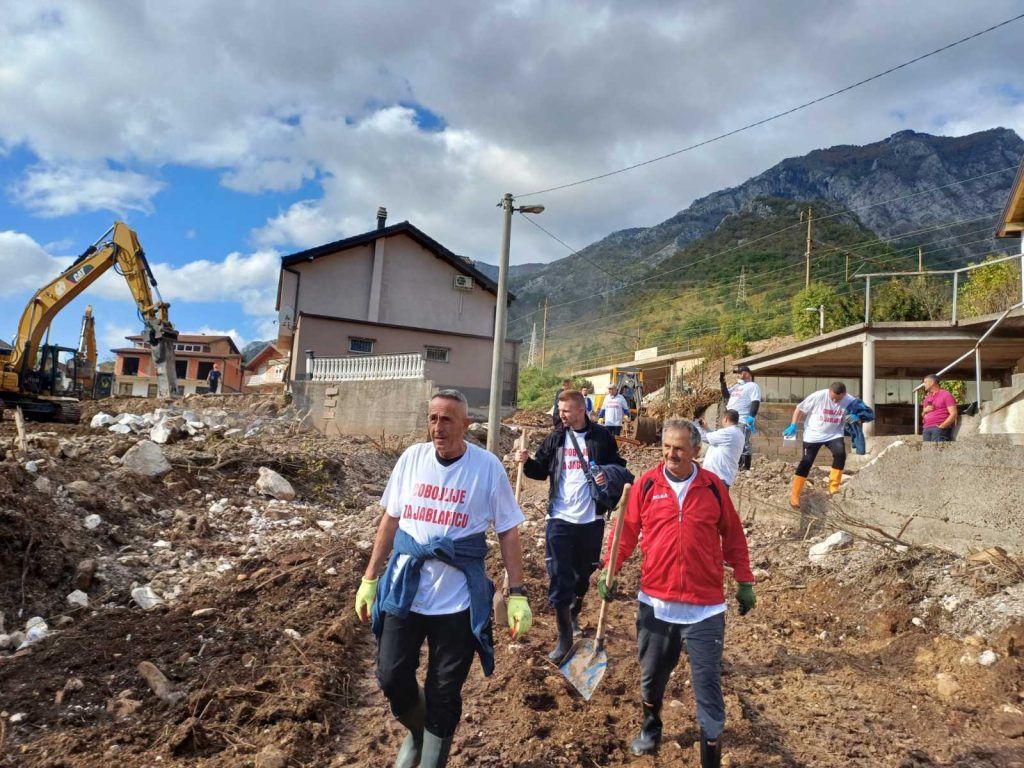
point(217, 627)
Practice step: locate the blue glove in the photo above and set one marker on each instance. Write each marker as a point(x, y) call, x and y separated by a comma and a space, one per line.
point(789, 431)
point(749, 421)
point(853, 419)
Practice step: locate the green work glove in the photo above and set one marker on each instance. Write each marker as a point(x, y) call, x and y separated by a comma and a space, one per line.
point(745, 597)
point(606, 592)
point(520, 617)
point(364, 598)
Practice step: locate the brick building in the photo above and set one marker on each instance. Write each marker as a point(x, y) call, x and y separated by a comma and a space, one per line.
point(194, 357)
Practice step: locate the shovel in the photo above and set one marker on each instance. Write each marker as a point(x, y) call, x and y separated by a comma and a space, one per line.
point(500, 600)
point(587, 662)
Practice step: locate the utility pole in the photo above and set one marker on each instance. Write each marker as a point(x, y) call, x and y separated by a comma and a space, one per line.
point(638, 334)
point(500, 317)
point(807, 255)
point(920, 259)
point(544, 333)
point(741, 289)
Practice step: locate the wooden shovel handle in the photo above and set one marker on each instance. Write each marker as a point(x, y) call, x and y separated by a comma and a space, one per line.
point(620, 519)
point(519, 470)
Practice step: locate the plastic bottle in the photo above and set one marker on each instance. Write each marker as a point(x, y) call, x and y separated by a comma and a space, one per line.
point(594, 469)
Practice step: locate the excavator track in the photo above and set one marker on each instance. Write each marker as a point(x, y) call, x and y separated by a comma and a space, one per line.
point(68, 413)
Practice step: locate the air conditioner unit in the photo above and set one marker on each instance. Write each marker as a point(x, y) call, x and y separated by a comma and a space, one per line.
point(463, 283)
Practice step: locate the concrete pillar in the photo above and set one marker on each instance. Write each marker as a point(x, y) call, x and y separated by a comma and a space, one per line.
point(376, 280)
point(867, 380)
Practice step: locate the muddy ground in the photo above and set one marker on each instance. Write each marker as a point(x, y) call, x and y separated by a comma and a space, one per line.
point(873, 657)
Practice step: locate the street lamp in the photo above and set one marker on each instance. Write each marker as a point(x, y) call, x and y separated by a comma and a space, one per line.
point(820, 309)
point(501, 312)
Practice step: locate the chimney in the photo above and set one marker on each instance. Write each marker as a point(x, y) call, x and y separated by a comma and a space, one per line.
point(382, 216)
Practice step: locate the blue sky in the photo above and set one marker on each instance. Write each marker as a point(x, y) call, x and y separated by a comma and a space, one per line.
point(230, 133)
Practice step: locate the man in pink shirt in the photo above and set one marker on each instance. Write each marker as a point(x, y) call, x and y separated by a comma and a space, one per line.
point(939, 412)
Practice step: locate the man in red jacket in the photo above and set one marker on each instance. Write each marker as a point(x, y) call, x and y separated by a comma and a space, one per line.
point(689, 527)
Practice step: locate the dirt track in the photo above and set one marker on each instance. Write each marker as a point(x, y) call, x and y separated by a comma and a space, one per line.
point(829, 670)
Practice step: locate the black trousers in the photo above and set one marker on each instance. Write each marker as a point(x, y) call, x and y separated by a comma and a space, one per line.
point(838, 448)
point(451, 646)
point(659, 646)
point(573, 554)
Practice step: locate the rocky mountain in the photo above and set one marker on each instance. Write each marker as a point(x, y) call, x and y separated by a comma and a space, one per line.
point(884, 183)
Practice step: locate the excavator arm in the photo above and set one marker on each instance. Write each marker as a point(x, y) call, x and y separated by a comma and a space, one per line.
point(119, 248)
point(87, 341)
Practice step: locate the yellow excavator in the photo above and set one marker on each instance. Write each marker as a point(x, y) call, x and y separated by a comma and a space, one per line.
point(33, 376)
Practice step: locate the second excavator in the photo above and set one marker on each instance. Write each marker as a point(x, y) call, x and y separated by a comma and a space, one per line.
point(34, 379)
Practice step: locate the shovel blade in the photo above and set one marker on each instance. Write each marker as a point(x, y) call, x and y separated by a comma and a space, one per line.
point(585, 666)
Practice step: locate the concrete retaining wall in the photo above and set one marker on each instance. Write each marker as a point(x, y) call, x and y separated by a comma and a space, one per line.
point(962, 496)
point(365, 407)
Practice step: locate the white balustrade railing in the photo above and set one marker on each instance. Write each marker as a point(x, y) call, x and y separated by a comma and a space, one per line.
point(374, 368)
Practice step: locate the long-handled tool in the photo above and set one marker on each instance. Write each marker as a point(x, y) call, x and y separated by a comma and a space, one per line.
point(587, 662)
point(500, 600)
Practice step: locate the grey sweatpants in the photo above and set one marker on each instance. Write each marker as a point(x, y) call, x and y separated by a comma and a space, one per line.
point(660, 645)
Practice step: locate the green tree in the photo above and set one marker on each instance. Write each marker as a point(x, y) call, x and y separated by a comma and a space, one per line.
point(840, 311)
point(537, 387)
point(897, 300)
point(990, 289)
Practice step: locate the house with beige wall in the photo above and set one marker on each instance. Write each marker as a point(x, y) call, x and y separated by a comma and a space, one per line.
point(194, 358)
point(394, 290)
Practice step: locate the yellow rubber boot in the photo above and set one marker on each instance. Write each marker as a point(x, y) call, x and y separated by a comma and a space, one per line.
point(794, 494)
point(835, 476)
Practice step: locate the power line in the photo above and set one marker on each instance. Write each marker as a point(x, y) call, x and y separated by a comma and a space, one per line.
point(777, 115)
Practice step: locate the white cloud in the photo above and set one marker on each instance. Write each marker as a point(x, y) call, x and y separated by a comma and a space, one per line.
point(25, 265)
point(249, 280)
point(61, 191)
point(112, 336)
point(529, 95)
point(240, 341)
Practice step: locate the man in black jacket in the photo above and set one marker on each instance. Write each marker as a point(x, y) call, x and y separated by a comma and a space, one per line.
point(575, 524)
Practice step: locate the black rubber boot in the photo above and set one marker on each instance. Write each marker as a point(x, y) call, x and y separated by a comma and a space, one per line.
point(435, 751)
point(710, 754)
point(577, 608)
point(409, 753)
point(650, 732)
point(563, 616)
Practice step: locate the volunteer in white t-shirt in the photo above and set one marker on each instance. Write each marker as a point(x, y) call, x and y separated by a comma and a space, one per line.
point(575, 525)
point(824, 415)
point(614, 409)
point(724, 447)
point(441, 498)
point(744, 397)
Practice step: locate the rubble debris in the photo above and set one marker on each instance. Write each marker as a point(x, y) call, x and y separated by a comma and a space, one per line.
point(838, 540)
point(92, 522)
point(35, 630)
point(166, 691)
point(79, 598)
point(84, 574)
point(270, 483)
point(146, 598)
point(146, 460)
point(73, 684)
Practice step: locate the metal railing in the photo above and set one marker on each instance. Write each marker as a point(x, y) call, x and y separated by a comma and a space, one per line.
point(976, 351)
point(956, 280)
point(376, 368)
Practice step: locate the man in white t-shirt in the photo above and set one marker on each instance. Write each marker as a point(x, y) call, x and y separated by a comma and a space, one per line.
point(824, 415)
point(724, 447)
point(744, 397)
point(614, 409)
point(441, 498)
point(575, 524)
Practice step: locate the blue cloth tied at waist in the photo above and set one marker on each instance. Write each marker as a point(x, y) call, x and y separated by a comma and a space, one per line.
point(396, 594)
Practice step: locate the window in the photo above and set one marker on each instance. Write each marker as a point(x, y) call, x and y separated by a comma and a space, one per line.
point(181, 369)
point(124, 390)
point(192, 348)
point(437, 354)
point(130, 366)
point(151, 392)
point(360, 346)
point(204, 370)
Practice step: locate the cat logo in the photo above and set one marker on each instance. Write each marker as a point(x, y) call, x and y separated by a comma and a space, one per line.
point(80, 273)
